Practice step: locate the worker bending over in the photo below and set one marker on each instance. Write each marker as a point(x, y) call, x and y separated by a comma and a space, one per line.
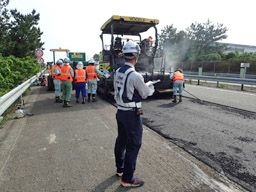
point(130, 89)
point(67, 75)
point(178, 83)
point(80, 82)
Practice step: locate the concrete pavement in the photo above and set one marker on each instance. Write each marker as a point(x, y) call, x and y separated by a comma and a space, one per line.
point(71, 149)
point(232, 98)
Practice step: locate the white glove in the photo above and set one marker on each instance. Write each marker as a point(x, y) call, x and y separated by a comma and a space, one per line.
point(149, 83)
point(151, 89)
point(107, 75)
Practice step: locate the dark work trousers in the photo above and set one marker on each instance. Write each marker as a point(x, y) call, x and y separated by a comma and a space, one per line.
point(128, 142)
point(80, 87)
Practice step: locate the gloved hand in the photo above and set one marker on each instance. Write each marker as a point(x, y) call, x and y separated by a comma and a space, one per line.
point(107, 75)
point(183, 84)
point(151, 89)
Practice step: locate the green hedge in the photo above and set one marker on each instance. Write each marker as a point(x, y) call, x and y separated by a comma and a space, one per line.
point(13, 71)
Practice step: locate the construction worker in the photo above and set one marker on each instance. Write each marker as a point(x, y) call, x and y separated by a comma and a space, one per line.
point(178, 83)
point(92, 77)
point(130, 89)
point(67, 75)
point(56, 75)
point(80, 82)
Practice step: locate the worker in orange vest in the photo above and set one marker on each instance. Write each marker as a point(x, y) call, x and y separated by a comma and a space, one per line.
point(92, 77)
point(67, 75)
point(178, 83)
point(56, 75)
point(80, 82)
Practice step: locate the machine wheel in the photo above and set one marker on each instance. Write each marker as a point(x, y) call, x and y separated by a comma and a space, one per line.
point(50, 83)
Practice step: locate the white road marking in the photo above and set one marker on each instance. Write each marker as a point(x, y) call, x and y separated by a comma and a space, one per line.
point(52, 138)
point(42, 149)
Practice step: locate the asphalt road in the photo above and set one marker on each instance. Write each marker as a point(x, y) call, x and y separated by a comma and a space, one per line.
point(223, 137)
point(72, 150)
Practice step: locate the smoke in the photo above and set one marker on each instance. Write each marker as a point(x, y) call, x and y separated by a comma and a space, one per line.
point(175, 54)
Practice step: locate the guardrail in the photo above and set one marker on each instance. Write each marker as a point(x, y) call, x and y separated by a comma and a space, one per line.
point(9, 98)
point(234, 75)
point(222, 79)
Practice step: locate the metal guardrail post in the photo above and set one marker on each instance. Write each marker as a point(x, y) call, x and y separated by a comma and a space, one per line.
point(9, 98)
point(222, 79)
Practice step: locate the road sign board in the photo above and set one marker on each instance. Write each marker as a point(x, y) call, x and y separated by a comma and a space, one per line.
point(245, 65)
point(39, 52)
point(76, 56)
point(40, 60)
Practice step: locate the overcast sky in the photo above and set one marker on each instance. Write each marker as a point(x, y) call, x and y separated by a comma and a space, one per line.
point(75, 24)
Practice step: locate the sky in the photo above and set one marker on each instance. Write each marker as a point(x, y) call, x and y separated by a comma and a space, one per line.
point(75, 25)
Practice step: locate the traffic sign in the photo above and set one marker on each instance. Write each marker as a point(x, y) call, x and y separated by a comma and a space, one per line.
point(40, 60)
point(76, 56)
point(39, 52)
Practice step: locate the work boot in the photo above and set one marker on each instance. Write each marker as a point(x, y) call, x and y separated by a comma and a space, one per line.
point(60, 100)
point(174, 99)
point(89, 97)
point(77, 101)
point(180, 98)
point(66, 104)
point(83, 102)
point(93, 98)
point(135, 182)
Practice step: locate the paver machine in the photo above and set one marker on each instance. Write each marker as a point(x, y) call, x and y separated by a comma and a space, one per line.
point(115, 33)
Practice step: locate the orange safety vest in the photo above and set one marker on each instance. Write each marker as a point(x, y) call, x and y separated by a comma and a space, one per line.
point(91, 72)
point(66, 74)
point(178, 76)
point(54, 76)
point(80, 76)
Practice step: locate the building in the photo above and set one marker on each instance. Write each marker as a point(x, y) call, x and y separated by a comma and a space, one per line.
point(239, 48)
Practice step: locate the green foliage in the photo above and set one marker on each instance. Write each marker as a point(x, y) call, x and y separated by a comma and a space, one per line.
point(210, 57)
point(96, 57)
point(19, 34)
point(197, 42)
point(13, 71)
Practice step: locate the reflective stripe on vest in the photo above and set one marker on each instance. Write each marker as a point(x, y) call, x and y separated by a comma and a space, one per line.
point(91, 72)
point(120, 91)
point(80, 75)
point(54, 76)
point(178, 76)
point(66, 74)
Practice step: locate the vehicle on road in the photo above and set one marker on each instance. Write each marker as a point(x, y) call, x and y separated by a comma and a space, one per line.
point(115, 32)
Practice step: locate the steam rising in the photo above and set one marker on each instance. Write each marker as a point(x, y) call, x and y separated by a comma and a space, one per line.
point(174, 54)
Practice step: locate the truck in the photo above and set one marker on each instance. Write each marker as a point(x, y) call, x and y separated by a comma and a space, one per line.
point(114, 33)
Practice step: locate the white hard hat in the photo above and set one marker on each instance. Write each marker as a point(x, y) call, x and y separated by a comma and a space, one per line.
point(59, 61)
point(131, 49)
point(67, 60)
point(79, 65)
point(91, 61)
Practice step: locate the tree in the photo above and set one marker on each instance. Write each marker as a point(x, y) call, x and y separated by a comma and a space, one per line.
point(4, 24)
point(25, 37)
point(96, 57)
point(204, 36)
point(174, 44)
point(3, 4)
point(19, 34)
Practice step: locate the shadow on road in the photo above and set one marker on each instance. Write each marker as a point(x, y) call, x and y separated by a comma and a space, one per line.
point(168, 105)
point(107, 183)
